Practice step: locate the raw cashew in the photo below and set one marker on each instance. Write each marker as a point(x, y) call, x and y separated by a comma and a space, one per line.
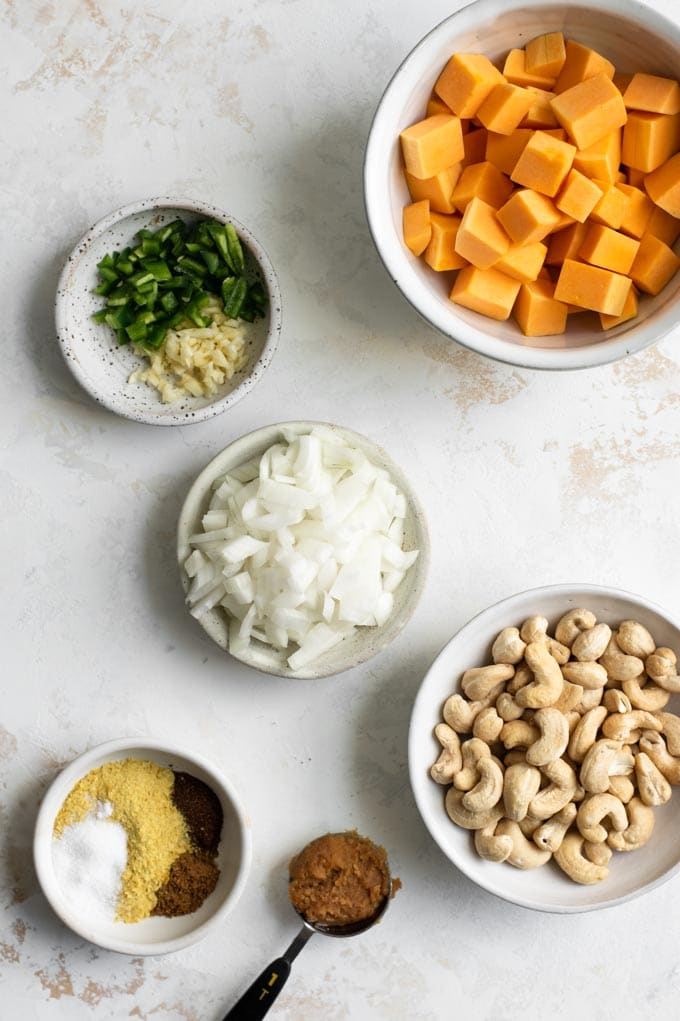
point(596, 766)
point(571, 697)
point(635, 640)
point(598, 854)
point(534, 629)
point(648, 696)
point(573, 719)
point(554, 737)
point(559, 652)
point(464, 817)
point(653, 786)
point(523, 676)
point(596, 808)
point(529, 825)
point(618, 665)
point(639, 830)
point(507, 708)
point(670, 682)
point(560, 791)
point(550, 834)
point(480, 681)
point(519, 734)
point(488, 790)
point(508, 647)
point(524, 854)
point(522, 783)
point(662, 663)
point(473, 751)
point(590, 644)
point(585, 734)
point(626, 727)
point(515, 757)
point(488, 725)
point(491, 847)
point(450, 760)
point(570, 626)
point(460, 714)
point(571, 860)
point(616, 701)
point(591, 698)
point(654, 745)
point(671, 731)
point(546, 687)
point(588, 674)
point(622, 787)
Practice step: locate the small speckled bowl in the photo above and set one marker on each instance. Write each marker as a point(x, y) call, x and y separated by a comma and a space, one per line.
point(151, 936)
point(366, 641)
point(102, 366)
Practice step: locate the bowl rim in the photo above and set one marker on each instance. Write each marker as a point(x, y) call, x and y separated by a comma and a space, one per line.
point(423, 701)
point(396, 262)
point(54, 796)
point(263, 437)
point(261, 256)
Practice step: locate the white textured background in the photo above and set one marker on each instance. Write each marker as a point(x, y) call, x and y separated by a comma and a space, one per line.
point(263, 108)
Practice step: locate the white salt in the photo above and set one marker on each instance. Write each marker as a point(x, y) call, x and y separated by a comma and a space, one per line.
point(89, 859)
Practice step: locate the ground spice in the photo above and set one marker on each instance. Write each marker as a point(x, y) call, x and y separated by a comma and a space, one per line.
point(193, 877)
point(141, 795)
point(202, 811)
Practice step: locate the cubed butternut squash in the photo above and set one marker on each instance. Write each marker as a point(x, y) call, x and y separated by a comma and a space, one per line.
point(505, 108)
point(515, 71)
point(638, 211)
point(436, 106)
point(651, 93)
point(481, 239)
point(466, 81)
point(663, 185)
point(649, 139)
point(483, 180)
point(438, 190)
point(580, 64)
point(540, 113)
point(523, 262)
point(416, 226)
point(546, 54)
point(474, 146)
point(528, 216)
point(565, 244)
point(590, 110)
point(578, 196)
point(601, 160)
point(432, 145)
point(544, 164)
point(441, 252)
point(504, 150)
point(664, 226)
point(537, 312)
point(593, 288)
point(655, 264)
point(630, 310)
point(486, 291)
point(608, 249)
point(611, 209)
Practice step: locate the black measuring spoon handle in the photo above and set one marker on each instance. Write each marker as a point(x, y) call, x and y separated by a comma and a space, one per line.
point(257, 1000)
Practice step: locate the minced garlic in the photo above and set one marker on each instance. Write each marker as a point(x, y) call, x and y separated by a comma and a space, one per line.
point(194, 361)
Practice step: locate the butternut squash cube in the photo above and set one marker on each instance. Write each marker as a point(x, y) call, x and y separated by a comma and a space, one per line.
point(638, 211)
point(523, 262)
point(432, 145)
point(649, 139)
point(580, 64)
point(664, 226)
point(537, 312)
point(504, 108)
point(652, 93)
point(578, 196)
point(486, 291)
point(566, 244)
point(544, 163)
point(466, 81)
point(540, 113)
point(416, 226)
point(611, 209)
point(481, 240)
point(564, 221)
point(608, 249)
point(504, 150)
point(655, 264)
point(599, 290)
point(515, 71)
point(590, 110)
point(601, 160)
point(630, 310)
point(474, 144)
point(483, 180)
point(546, 54)
point(441, 252)
point(438, 190)
point(528, 216)
point(663, 185)
point(437, 106)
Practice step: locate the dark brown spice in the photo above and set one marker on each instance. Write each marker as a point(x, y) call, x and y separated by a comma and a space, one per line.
point(193, 877)
point(201, 809)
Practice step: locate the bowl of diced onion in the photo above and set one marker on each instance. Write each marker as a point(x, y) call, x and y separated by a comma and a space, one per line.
point(303, 549)
point(210, 358)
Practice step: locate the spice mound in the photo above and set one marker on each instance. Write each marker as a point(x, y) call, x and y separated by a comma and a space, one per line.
point(339, 879)
point(134, 839)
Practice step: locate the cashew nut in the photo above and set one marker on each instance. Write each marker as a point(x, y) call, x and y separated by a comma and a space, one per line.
point(573, 719)
point(480, 681)
point(490, 846)
point(560, 791)
point(523, 676)
point(591, 698)
point(507, 708)
point(488, 790)
point(627, 727)
point(460, 714)
point(524, 854)
point(519, 734)
point(590, 644)
point(547, 685)
point(616, 701)
point(534, 629)
point(585, 734)
point(570, 626)
point(662, 663)
point(598, 854)
point(639, 829)
point(597, 764)
point(570, 858)
point(654, 745)
point(550, 834)
point(571, 696)
point(622, 787)
point(522, 783)
point(588, 674)
point(488, 725)
point(653, 786)
point(554, 738)
point(472, 751)
point(619, 666)
point(634, 639)
point(593, 810)
point(671, 731)
point(529, 825)
point(450, 760)
point(508, 647)
point(462, 816)
point(647, 696)
point(515, 757)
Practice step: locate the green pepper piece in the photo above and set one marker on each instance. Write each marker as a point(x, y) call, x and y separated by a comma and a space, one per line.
point(122, 337)
point(100, 315)
point(104, 288)
point(139, 279)
point(107, 262)
point(156, 336)
point(233, 305)
point(217, 233)
point(136, 332)
point(191, 266)
point(235, 250)
point(125, 267)
point(211, 259)
point(120, 296)
point(169, 301)
point(158, 267)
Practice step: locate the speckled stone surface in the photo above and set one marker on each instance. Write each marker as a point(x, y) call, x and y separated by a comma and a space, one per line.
point(527, 479)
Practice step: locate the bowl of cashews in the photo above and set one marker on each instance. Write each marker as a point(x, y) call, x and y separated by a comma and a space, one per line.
point(544, 747)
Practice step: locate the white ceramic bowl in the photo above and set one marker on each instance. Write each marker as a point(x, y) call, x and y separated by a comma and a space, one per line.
point(635, 38)
point(151, 935)
point(102, 366)
point(545, 888)
point(366, 641)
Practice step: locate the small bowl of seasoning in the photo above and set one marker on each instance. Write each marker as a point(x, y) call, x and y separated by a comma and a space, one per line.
point(141, 848)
